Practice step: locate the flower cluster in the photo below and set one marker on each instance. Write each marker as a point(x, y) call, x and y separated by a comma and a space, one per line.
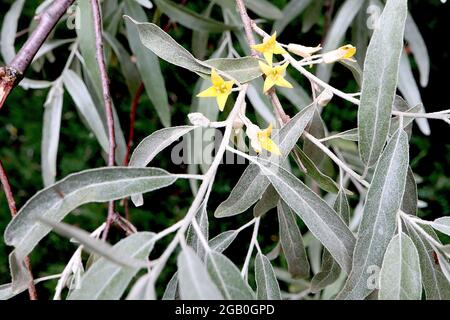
point(274, 74)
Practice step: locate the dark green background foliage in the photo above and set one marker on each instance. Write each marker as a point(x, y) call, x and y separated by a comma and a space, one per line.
point(21, 130)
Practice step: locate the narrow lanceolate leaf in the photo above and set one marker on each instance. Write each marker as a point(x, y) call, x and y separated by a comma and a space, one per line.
point(419, 49)
point(442, 225)
point(90, 244)
point(264, 9)
point(191, 19)
point(341, 22)
point(410, 197)
point(322, 180)
point(193, 278)
point(148, 65)
point(55, 202)
point(228, 278)
point(105, 280)
point(269, 200)
point(330, 270)
point(151, 146)
point(6, 291)
point(9, 28)
point(290, 12)
point(266, 281)
point(171, 292)
point(436, 286)
point(380, 80)
point(85, 105)
point(192, 238)
point(410, 91)
point(400, 277)
point(312, 15)
point(50, 132)
point(223, 240)
point(317, 129)
point(86, 41)
point(165, 47)
point(145, 3)
point(292, 242)
point(129, 69)
point(252, 183)
point(242, 69)
point(143, 289)
point(323, 222)
point(200, 39)
point(378, 222)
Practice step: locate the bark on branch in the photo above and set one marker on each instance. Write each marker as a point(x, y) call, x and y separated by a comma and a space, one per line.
point(11, 74)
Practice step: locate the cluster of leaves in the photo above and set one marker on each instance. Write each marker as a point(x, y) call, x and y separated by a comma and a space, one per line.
point(402, 251)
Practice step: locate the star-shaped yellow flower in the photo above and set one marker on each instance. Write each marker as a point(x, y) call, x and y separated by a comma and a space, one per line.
point(267, 143)
point(274, 76)
point(269, 47)
point(343, 53)
point(220, 89)
point(260, 139)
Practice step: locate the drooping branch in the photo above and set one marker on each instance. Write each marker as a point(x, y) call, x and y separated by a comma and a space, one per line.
point(11, 74)
point(100, 55)
point(13, 210)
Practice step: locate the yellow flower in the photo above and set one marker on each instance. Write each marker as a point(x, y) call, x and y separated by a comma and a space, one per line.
point(260, 139)
point(269, 47)
point(274, 76)
point(343, 53)
point(220, 89)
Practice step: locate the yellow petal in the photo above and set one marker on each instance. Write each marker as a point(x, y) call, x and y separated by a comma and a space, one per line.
point(216, 79)
point(229, 85)
point(268, 83)
point(273, 38)
point(279, 49)
point(259, 47)
point(268, 55)
point(222, 100)
point(282, 82)
point(269, 145)
point(210, 92)
point(283, 67)
point(268, 131)
point(265, 68)
point(348, 51)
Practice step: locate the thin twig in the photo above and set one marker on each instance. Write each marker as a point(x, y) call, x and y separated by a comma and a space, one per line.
point(204, 189)
point(244, 271)
point(107, 101)
point(11, 75)
point(133, 109)
point(336, 160)
point(247, 25)
point(12, 208)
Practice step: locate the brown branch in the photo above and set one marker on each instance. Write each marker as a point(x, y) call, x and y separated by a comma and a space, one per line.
point(11, 75)
point(133, 109)
point(12, 208)
point(247, 22)
point(247, 25)
point(107, 101)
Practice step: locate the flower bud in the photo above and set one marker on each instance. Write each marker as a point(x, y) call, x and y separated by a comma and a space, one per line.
point(198, 119)
point(303, 51)
point(325, 97)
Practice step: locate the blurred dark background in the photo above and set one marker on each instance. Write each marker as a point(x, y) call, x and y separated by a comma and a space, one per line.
point(21, 130)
